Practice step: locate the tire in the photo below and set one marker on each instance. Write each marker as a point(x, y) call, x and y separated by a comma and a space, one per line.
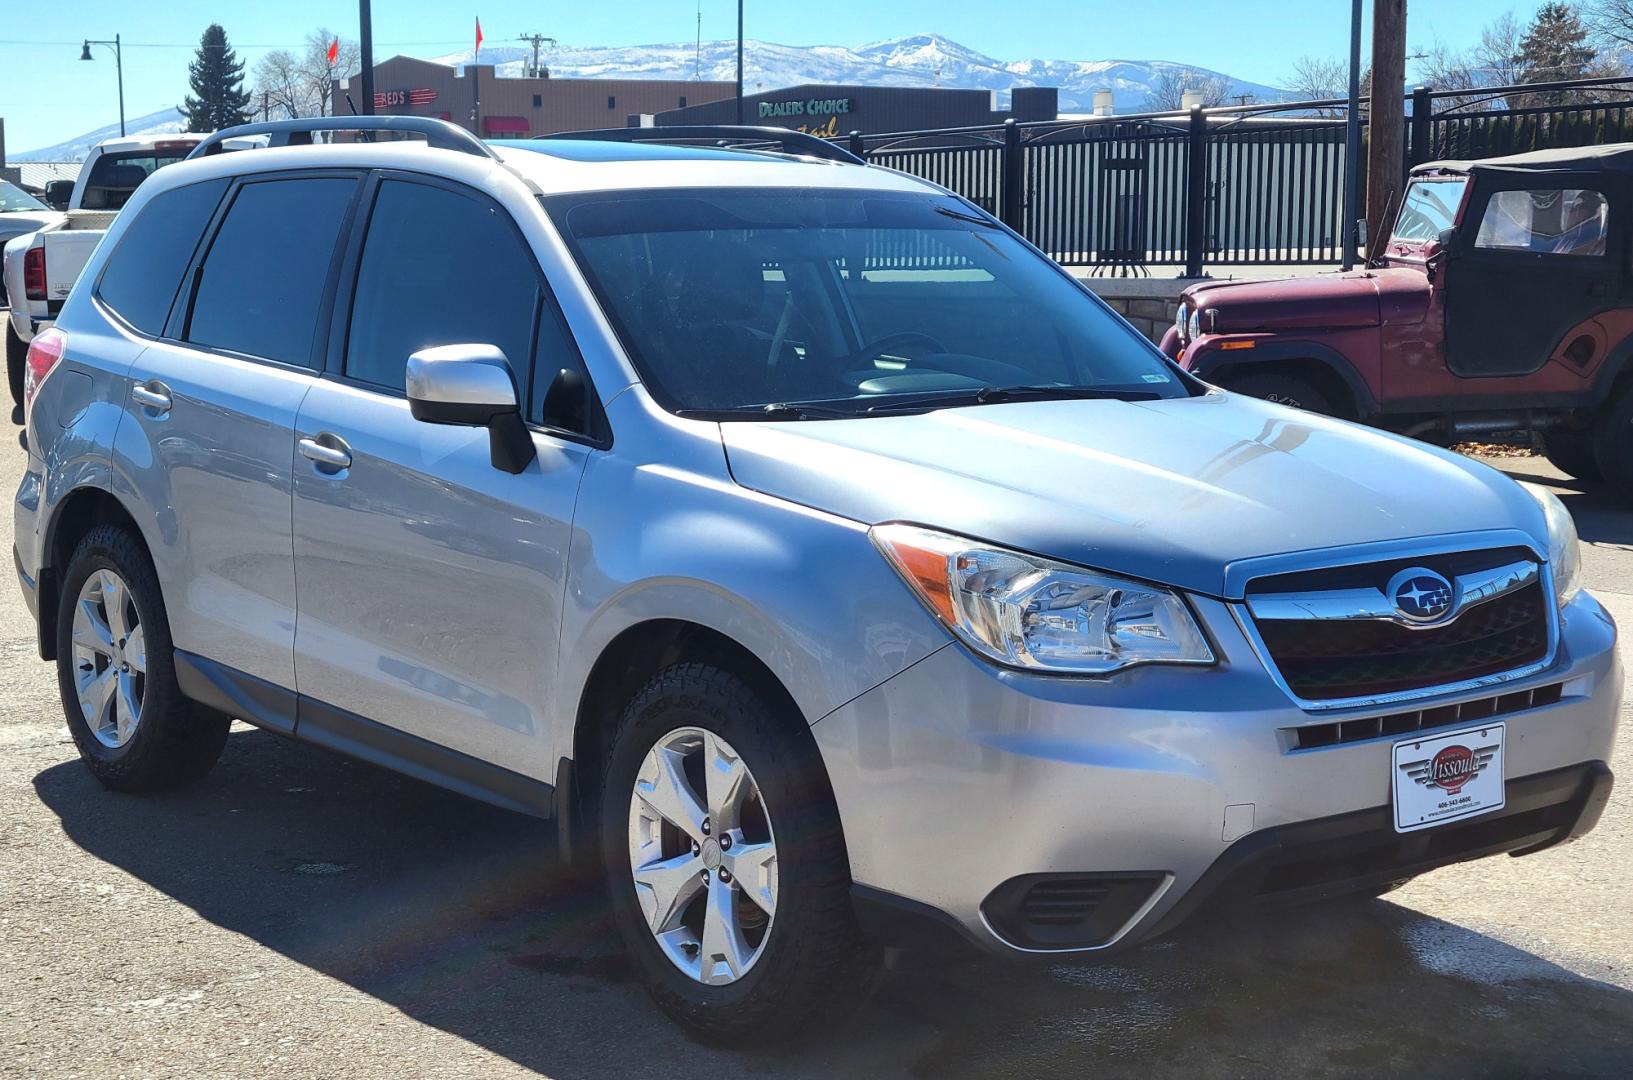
point(1571, 452)
point(16, 359)
point(1283, 388)
point(1613, 441)
point(806, 962)
point(147, 737)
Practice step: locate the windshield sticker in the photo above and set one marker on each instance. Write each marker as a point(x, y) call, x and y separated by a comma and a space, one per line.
point(1155, 377)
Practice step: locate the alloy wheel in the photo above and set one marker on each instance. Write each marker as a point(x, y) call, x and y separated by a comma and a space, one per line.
point(110, 658)
point(703, 856)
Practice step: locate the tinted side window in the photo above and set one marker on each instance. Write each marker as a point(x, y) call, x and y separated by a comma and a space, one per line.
point(143, 273)
point(264, 275)
point(438, 268)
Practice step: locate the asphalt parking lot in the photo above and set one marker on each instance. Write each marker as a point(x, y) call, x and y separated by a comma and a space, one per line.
point(302, 915)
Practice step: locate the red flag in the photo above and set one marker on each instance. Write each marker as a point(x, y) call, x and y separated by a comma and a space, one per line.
point(334, 51)
point(478, 33)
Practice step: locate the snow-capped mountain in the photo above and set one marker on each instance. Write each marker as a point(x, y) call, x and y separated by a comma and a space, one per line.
point(918, 60)
point(163, 122)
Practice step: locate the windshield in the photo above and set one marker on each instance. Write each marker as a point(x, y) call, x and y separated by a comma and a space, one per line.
point(736, 300)
point(13, 197)
point(115, 177)
point(1430, 208)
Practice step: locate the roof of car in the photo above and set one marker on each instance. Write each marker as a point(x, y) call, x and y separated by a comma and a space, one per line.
point(1613, 157)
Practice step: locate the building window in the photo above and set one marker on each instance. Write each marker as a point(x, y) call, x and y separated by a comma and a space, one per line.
point(612, 102)
point(683, 101)
point(538, 101)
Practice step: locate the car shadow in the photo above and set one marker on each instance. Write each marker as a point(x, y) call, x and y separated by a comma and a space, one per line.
point(457, 915)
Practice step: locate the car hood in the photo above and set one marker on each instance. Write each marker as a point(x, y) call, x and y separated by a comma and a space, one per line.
point(18, 222)
point(1320, 301)
point(1170, 491)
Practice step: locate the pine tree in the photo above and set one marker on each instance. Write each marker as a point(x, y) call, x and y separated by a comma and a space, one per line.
point(1554, 49)
point(216, 75)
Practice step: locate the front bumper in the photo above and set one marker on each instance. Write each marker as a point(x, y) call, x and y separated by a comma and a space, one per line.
point(954, 779)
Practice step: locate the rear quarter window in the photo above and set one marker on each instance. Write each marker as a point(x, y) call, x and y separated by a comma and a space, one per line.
point(143, 275)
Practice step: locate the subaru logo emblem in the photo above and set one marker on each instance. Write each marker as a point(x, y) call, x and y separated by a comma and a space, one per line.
point(1420, 595)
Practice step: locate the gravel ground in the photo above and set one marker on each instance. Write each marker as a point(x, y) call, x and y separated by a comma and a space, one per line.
point(300, 915)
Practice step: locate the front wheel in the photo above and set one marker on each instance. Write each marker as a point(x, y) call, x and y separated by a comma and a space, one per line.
point(725, 860)
point(1283, 388)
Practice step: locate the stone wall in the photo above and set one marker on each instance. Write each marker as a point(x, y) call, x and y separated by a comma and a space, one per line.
point(1149, 303)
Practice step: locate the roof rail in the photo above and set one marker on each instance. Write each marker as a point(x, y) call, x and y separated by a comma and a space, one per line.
point(438, 133)
point(725, 136)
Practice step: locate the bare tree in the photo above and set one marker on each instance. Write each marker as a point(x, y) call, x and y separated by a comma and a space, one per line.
point(301, 83)
point(1167, 94)
point(1318, 78)
point(1611, 23)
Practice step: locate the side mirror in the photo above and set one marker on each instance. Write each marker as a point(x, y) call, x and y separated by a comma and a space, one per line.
point(471, 386)
point(566, 403)
point(1447, 240)
point(58, 194)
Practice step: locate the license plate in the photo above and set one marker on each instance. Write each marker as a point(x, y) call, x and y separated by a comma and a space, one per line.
point(1448, 777)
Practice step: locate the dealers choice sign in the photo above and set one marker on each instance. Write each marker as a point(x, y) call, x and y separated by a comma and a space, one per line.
point(821, 115)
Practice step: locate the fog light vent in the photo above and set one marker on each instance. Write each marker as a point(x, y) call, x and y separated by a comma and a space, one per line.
point(1066, 911)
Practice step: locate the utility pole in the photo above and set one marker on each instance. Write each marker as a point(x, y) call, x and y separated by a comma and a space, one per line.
point(1386, 123)
point(365, 47)
point(537, 40)
point(1352, 143)
point(739, 61)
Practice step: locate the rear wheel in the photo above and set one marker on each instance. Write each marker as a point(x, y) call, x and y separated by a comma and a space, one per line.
point(16, 358)
point(116, 671)
point(1283, 388)
point(1571, 452)
point(725, 860)
point(1613, 441)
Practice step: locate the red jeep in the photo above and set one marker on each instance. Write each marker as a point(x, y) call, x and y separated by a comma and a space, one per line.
point(1501, 303)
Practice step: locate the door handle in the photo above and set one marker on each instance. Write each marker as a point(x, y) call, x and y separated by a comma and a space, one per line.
point(332, 453)
point(154, 395)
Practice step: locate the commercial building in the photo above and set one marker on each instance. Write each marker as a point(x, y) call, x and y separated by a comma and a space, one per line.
point(831, 110)
point(494, 107)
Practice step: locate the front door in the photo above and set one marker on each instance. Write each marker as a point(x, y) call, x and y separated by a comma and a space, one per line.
point(429, 583)
point(1540, 256)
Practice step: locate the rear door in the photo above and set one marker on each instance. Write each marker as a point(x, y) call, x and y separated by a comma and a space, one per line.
point(430, 583)
point(1541, 255)
point(211, 417)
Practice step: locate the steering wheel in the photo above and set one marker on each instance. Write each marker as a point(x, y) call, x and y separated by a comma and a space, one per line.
point(873, 349)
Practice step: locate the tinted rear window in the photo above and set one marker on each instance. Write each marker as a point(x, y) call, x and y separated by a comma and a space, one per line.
point(144, 271)
point(263, 278)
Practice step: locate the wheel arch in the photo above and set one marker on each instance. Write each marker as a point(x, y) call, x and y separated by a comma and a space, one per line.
point(77, 513)
point(623, 666)
point(1313, 359)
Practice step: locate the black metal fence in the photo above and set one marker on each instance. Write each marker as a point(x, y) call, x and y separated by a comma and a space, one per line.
point(1234, 186)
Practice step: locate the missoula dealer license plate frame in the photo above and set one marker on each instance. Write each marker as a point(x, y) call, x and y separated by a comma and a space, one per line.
point(1440, 779)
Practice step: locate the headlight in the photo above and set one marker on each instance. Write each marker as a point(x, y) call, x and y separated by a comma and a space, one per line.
point(1564, 552)
point(1193, 329)
point(1028, 612)
point(1179, 322)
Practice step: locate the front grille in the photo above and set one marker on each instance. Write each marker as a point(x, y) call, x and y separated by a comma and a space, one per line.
point(1334, 659)
point(1314, 736)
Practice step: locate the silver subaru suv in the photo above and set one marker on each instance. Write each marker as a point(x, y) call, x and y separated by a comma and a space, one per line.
point(831, 566)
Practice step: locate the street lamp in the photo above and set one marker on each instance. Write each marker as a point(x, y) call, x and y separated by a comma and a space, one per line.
point(119, 66)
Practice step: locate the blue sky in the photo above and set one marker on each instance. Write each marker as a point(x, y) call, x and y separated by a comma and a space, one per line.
point(47, 95)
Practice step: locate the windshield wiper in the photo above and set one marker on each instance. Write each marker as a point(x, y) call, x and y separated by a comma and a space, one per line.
point(997, 395)
point(774, 411)
point(971, 218)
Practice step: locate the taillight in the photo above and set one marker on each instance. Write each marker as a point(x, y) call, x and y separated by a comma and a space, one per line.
point(34, 273)
point(43, 354)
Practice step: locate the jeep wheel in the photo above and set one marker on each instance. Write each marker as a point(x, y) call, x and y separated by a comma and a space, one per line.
point(134, 729)
point(1283, 388)
point(1571, 452)
point(725, 860)
point(1613, 441)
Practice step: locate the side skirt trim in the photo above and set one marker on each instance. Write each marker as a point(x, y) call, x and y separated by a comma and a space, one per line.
point(256, 701)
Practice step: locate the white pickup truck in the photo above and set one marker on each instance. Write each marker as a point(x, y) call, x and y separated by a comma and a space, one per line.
point(41, 266)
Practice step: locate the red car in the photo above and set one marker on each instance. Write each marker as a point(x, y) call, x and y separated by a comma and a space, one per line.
point(1502, 302)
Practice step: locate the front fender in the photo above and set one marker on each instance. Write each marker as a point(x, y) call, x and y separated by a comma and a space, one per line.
point(803, 591)
point(1204, 358)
